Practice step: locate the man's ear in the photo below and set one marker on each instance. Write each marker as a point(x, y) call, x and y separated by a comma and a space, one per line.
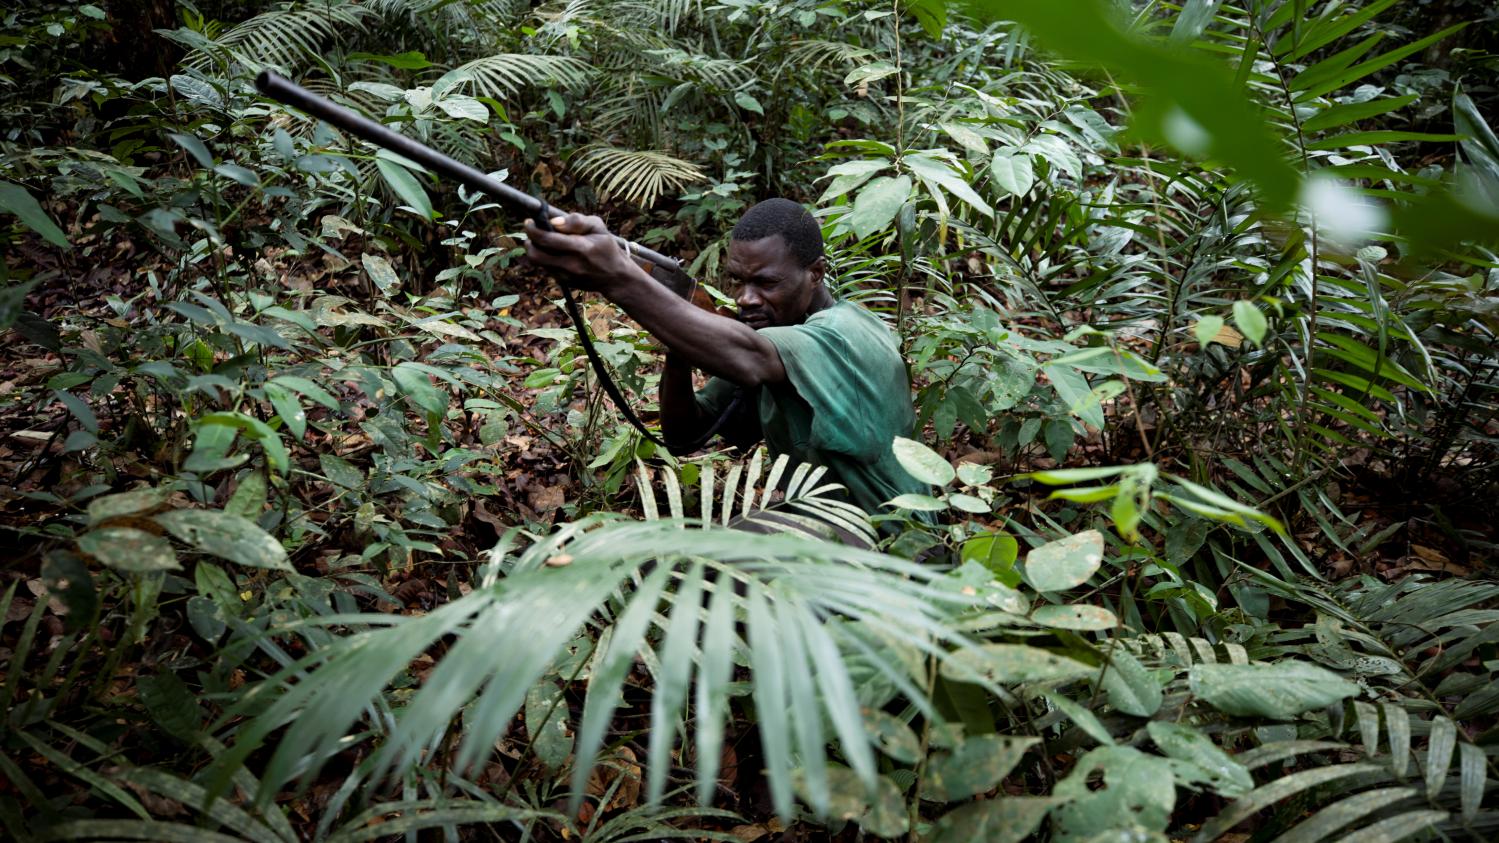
point(818, 268)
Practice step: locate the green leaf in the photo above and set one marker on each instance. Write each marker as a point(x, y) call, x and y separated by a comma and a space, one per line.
point(194, 147)
point(1080, 618)
point(1130, 687)
point(410, 60)
point(1201, 759)
point(404, 184)
point(1138, 790)
point(977, 764)
point(15, 199)
point(288, 408)
point(748, 103)
point(922, 463)
point(1250, 321)
point(968, 503)
point(917, 503)
point(1012, 663)
point(382, 273)
point(249, 497)
point(546, 723)
point(126, 503)
point(226, 536)
point(1279, 691)
point(1011, 170)
point(1341, 115)
point(171, 705)
point(1206, 330)
point(1008, 819)
point(129, 549)
point(1065, 563)
point(893, 736)
point(1194, 17)
point(876, 205)
point(1189, 100)
point(1057, 476)
point(415, 384)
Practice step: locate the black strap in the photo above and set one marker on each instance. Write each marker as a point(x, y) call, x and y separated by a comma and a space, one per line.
point(606, 380)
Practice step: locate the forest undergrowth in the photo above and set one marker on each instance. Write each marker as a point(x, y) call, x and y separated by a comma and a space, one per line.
point(323, 529)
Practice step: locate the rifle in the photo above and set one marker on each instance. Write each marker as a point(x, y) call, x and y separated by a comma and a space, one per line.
point(664, 270)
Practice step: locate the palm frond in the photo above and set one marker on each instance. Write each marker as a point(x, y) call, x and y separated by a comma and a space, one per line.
point(797, 501)
point(638, 176)
point(802, 602)
point(288, 36)
point(503, 75)
point(815, 54)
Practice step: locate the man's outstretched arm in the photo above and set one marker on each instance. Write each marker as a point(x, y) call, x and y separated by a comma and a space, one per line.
point(582, 250)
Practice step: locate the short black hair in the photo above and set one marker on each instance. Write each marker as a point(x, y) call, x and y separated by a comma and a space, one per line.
point(788, 219)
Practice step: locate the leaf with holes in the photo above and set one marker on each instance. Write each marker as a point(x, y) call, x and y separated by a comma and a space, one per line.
point(977, 764)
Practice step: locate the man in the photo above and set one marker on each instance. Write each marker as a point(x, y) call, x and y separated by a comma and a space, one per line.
point(824, 376)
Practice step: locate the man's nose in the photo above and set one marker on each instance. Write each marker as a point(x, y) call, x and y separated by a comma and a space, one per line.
point(748, 297)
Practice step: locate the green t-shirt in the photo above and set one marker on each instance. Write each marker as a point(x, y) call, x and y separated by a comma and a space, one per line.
point(845, 401)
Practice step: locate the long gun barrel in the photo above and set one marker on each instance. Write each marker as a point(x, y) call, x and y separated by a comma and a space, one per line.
point(664, 269)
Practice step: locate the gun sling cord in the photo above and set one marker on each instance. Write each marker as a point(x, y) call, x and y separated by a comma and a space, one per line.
point(543, 221)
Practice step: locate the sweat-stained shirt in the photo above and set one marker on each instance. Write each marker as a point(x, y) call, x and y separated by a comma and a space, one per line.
point(845, 400)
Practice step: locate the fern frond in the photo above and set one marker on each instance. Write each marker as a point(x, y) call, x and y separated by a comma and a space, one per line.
point(638, 176)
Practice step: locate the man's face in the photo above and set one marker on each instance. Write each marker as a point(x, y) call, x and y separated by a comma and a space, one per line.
point(766, 283)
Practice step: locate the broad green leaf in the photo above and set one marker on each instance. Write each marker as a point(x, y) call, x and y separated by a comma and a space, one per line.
point(917, 503)
point(748, 103)
point(16, 200)
point(546, 724)
point(893, 736)
point(126, 503)
point(977, 764)
point(1139, 790)
point(1080, 618)
point(249, 497)
point(1209, 764)
point(876, 205)
point(1006, 819)
point(226, 536)
point(1250, 321)
point(1207, 329)
point(382, 273)
point(1279, 691)
point(404, 184)
point(129, 549)
point(416, 384)
point(922, 463)
point(1064, 563)
point(1012, 663)
point(1011, 170)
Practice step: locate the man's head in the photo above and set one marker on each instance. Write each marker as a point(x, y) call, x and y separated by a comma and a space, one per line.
point(775, 264)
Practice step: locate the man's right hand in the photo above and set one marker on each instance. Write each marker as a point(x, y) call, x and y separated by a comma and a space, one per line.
point(581, 249)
